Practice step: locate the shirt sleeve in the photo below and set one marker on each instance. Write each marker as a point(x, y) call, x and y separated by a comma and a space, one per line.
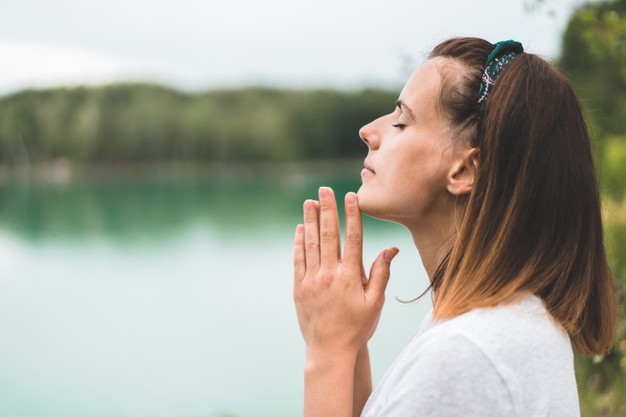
point(450, 376)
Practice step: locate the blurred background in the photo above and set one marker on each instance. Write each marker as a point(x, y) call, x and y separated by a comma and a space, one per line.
point(154, 156)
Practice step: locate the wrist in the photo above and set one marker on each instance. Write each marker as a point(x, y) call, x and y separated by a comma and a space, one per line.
point(363, 351)
point(329, 383)
point(321, 360)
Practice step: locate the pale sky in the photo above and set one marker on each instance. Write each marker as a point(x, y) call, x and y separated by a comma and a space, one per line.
point(200, 45)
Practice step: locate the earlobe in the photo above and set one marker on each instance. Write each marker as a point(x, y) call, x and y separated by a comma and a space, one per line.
point(463, 173)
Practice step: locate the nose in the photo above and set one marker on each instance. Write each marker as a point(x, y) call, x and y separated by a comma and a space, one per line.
point(369, 135)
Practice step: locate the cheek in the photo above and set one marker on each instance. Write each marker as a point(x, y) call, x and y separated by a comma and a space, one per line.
point(412, 179)
point(420, 177)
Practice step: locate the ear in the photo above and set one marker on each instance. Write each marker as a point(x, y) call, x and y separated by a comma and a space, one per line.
point(463, 173)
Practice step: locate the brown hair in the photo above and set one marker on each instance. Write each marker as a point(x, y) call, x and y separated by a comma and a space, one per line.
point(532, 222)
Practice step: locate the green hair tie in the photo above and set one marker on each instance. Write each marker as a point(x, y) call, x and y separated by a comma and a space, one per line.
point(503, 52)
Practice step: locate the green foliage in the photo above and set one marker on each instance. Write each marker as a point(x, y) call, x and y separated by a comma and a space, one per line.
point(614, 166)
point(148, 123)
point(594, 55)
point(602, 380)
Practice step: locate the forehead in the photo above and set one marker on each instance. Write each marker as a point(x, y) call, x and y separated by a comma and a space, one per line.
point(422, 88)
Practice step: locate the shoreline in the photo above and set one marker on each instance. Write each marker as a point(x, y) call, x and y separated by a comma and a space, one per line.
point(61, 172)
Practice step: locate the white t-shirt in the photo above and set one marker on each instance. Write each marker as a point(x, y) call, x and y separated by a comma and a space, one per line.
point(509, 360)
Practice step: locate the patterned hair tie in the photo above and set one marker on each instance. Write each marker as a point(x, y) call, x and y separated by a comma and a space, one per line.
point(503, 52)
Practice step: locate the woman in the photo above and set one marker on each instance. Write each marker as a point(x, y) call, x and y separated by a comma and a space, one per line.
point(486, 160)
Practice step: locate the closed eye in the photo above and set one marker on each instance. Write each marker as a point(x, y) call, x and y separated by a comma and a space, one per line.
point(399, 125)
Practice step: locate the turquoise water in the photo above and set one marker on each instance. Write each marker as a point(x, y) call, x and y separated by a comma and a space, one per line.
point(167, 295)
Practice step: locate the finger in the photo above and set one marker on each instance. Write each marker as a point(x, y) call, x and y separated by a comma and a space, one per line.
point(353, 251)
point(330, 246)
point(299, 260)
point(380, 272)
point(311, 235)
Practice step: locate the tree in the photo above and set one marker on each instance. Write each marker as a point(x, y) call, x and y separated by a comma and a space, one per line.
point(594, 56)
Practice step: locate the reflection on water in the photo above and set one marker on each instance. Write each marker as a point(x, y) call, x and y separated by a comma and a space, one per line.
point(166, 296)
point(146, 208)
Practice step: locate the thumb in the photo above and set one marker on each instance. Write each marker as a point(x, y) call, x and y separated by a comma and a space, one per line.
point(380, 272)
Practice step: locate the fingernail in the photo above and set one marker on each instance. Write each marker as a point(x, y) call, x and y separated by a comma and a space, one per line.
point(309, 205)
point(324, 192)
point(351, 198)
point(390, 254)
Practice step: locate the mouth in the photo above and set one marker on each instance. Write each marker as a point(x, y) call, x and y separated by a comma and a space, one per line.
point(368, 170)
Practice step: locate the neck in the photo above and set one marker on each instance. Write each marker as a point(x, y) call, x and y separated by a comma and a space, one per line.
point(432, 253)
point(433, 240)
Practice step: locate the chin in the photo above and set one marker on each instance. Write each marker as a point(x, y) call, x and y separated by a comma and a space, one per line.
point(368, 204)
point(377, 206)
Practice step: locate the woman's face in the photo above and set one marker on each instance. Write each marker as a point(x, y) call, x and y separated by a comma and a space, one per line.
point(410, 154)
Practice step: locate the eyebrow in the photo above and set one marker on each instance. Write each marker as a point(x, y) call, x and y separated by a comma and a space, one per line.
point(405, 109)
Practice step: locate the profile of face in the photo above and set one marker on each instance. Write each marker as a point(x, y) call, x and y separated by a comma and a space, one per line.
point(415, 165)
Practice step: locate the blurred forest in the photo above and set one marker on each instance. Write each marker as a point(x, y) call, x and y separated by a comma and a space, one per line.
point(140, 123)
point(144, 123)
point(594, 56)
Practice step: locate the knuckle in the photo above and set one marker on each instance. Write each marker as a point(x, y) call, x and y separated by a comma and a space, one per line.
point(352, 212)
point(312, 245)
point(328, 204)
point(328, 235)
point(353, 238)
point(303, 290)
point(326, 276)
point(298, 261)
point(298, 292)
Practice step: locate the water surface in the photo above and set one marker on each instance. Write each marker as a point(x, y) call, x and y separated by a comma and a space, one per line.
point(167, 295)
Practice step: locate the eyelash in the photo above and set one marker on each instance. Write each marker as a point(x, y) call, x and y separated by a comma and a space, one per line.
point(399, 126)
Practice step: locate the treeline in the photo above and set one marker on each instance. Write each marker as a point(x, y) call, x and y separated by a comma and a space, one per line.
point(594, 57)
point(129, 123)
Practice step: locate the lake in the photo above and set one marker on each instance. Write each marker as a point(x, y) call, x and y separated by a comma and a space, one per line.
point(169, 293)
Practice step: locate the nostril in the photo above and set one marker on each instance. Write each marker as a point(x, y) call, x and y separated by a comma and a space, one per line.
point(363, 134)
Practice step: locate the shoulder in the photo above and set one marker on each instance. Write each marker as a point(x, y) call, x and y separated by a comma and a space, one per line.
point(520, 339)
point(452, 359)
point(517, 348)
point(523, 323)
point(509, 360)
point(447, 374)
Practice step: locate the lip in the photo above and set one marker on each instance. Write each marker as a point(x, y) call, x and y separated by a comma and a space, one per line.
point(367, 171)
point(368, 167)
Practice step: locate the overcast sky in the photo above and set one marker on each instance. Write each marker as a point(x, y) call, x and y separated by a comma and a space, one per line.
point(198, 45)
